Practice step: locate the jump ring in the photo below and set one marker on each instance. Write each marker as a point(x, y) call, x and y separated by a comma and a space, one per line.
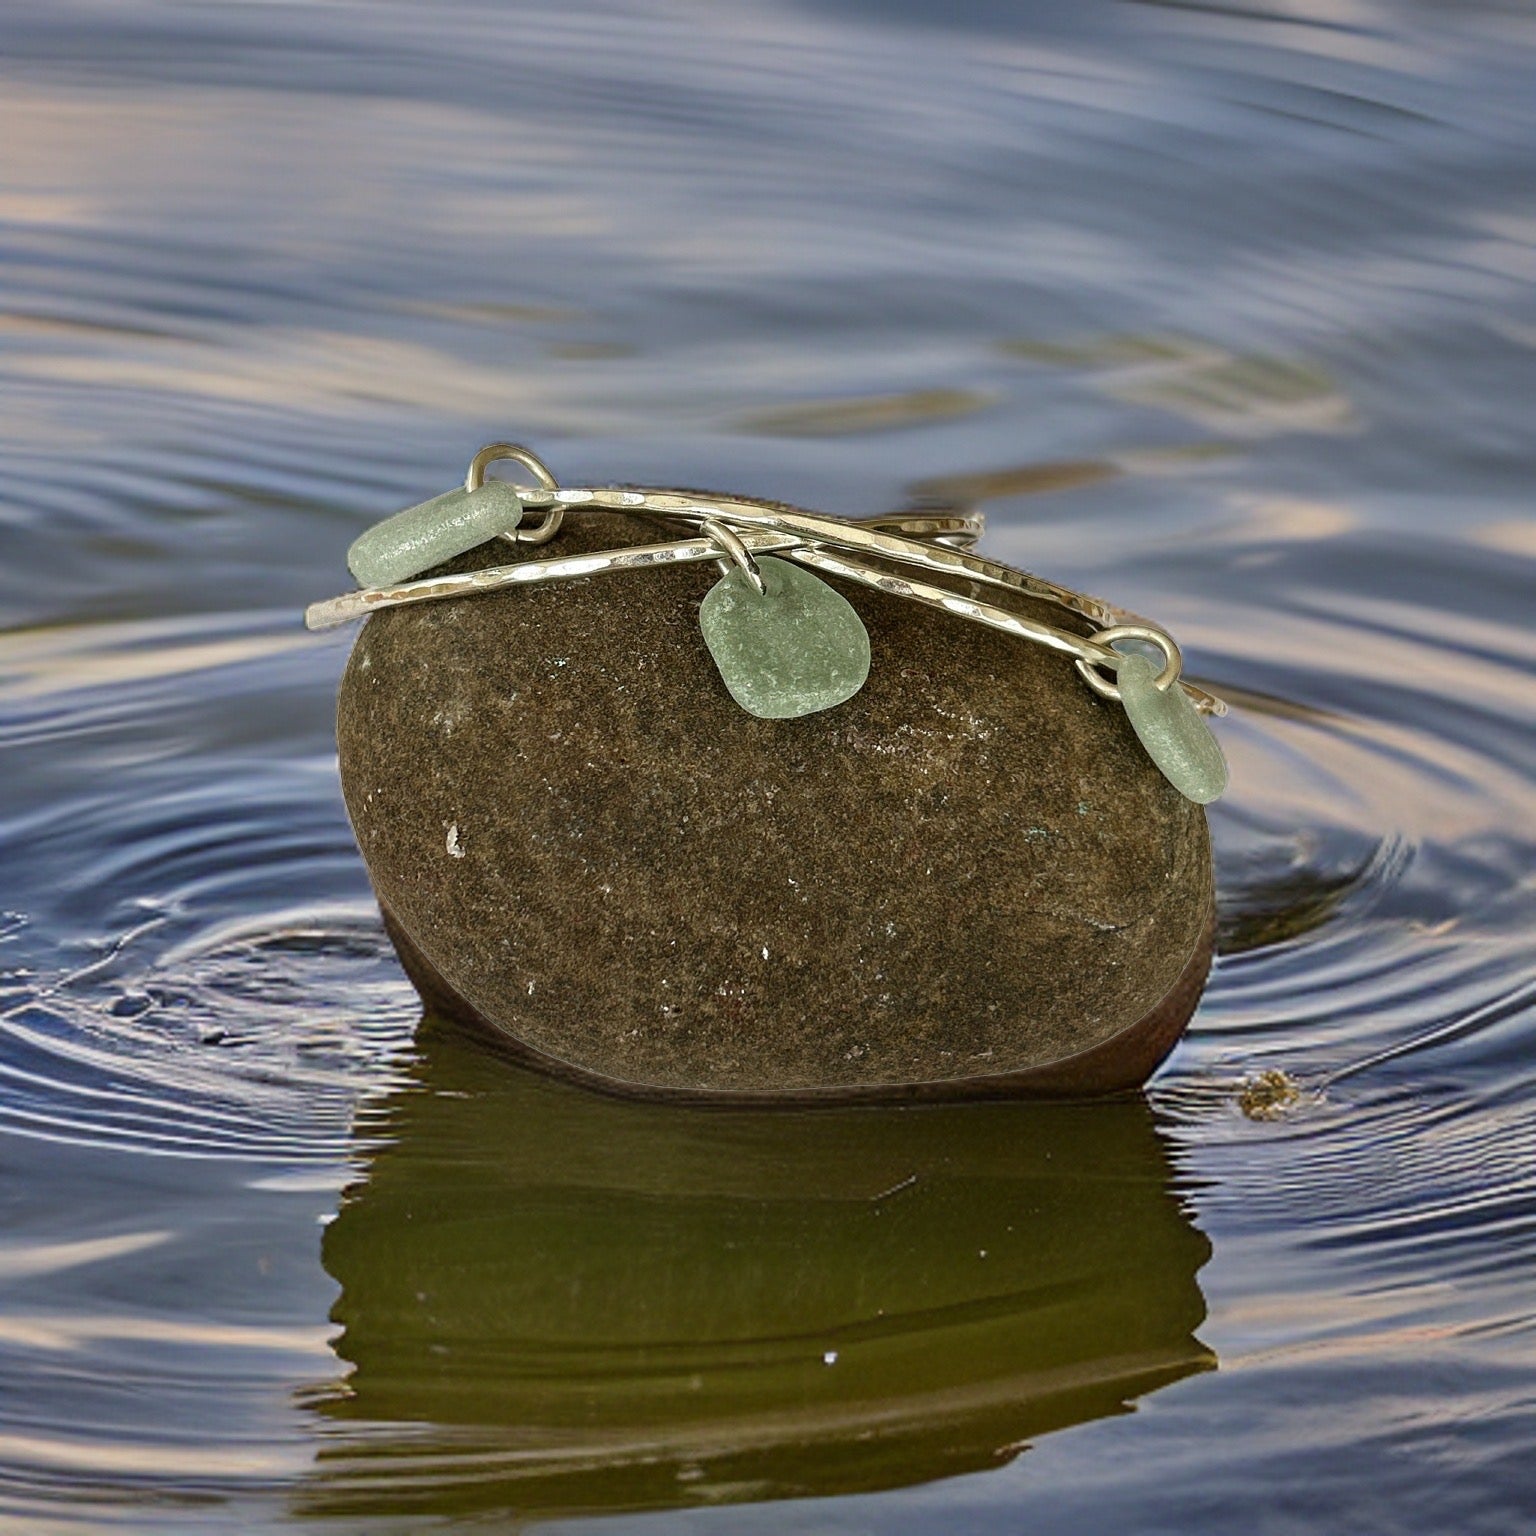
point(1173, 660)
point(739, 554)
point(535, 466)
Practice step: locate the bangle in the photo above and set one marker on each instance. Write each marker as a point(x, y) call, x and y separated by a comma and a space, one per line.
point(785, 642)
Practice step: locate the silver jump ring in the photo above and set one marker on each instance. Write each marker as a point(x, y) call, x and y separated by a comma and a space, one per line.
point(1173, 659)
point(535, 466)
point(738, 552)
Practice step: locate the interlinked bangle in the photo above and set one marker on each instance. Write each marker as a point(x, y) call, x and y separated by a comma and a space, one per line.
point(786, 643)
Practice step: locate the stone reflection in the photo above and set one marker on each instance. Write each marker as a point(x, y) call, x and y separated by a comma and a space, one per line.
point(557, 1302)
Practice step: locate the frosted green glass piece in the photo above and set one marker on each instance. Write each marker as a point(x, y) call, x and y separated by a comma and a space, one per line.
point(1169, 726)
point(792, 650)
point(413, 541)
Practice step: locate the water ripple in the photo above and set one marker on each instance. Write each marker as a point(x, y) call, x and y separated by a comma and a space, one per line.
point(232, 1045)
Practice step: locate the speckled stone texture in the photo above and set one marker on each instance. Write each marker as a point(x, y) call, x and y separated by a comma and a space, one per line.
point(968, 879)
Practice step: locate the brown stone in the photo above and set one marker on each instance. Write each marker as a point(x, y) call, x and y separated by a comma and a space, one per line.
point(968, 880)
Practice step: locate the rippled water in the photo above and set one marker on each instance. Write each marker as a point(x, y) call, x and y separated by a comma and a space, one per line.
point(1226, 313)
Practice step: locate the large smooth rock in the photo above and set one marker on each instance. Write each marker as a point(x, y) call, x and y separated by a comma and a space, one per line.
point(966, 880)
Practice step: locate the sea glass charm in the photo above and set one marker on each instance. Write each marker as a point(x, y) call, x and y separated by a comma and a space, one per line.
point(422, 536)
point(1171, 729)
point(793, 649)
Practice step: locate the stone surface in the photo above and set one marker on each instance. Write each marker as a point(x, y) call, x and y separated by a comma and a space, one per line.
point(794, 648)
point(1172, 730)
point(968, 879)
point(425, 535)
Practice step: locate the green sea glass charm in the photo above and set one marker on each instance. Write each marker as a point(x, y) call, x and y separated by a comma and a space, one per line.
point(1169, 726)
point(422, 536)
point(791, 650)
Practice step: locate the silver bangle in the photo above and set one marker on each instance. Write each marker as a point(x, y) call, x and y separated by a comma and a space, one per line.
point(900, 554)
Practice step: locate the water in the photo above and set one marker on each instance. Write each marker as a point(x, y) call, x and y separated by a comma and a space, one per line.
point(1227, 313)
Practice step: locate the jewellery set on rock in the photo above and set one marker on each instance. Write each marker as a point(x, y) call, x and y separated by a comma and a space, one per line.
point(786, 643)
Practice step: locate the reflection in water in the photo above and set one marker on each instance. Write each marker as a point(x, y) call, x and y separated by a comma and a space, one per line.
point(1249, 395)
point(1267, 909)
point(553, 1300)
point(877, 413)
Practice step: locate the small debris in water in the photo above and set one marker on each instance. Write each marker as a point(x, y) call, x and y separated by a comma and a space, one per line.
point(1269, 1096)
point(830, 1357)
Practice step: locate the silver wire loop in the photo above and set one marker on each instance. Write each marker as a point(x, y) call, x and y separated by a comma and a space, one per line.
point(535, 466)
point(1173, 659)
point(740, 555)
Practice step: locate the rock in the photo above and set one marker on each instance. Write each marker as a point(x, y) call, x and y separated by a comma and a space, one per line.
point(967, 880)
